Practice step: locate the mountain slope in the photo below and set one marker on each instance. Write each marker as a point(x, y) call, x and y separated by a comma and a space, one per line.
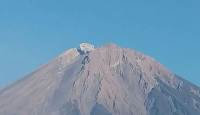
point(108, 80)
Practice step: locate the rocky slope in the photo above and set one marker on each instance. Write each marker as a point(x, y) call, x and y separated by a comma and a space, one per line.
point(108, 80)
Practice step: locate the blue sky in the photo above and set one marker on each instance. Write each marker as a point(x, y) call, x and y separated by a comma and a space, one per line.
point(32, 32)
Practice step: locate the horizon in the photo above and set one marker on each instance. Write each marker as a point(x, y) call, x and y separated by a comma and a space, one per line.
point(34, 32)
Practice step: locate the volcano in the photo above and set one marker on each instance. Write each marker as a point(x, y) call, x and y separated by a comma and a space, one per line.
point(108, 80)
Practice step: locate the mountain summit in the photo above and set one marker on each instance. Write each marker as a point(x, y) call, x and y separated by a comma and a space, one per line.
point(108, 80)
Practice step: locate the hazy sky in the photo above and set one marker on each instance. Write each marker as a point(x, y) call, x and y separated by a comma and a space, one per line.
point(32, 32)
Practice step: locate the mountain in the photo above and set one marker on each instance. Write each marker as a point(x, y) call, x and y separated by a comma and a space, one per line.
point(108, 80)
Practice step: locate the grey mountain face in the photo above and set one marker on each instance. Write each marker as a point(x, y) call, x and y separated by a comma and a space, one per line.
point(108, 80)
